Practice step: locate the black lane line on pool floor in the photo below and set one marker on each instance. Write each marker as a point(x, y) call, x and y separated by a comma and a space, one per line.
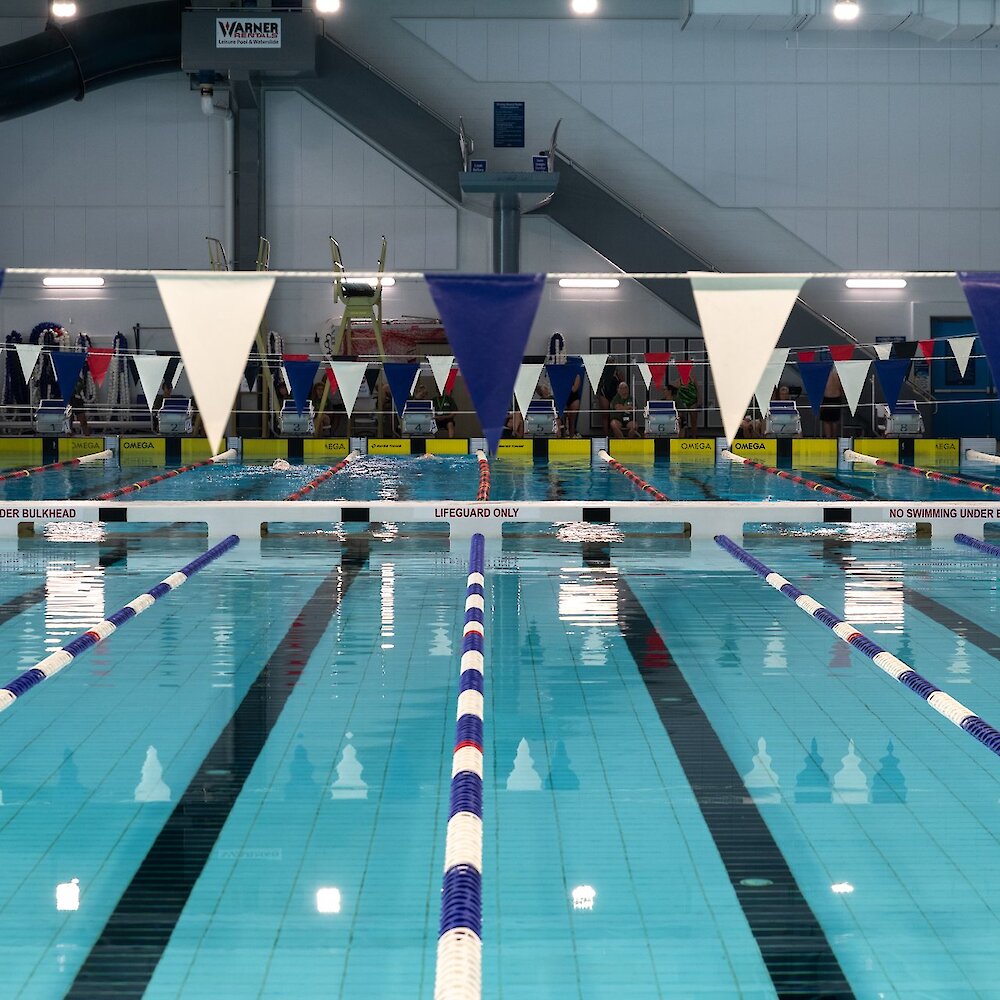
point(125, 956)
point(792, 943)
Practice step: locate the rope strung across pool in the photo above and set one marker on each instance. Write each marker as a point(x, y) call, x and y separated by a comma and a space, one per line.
point(629, 474)
point(459, 951)
point(323, 477)
point(801, 480)
point(954, 711)
point(976, 543)
point(166, 475)
point(484, 476)
point(63, 657)
point(854, 456)
point(83, 460)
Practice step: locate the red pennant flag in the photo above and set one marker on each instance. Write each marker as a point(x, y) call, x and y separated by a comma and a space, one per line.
point(684, 371)
point(449, 382)
point(658, 361)
point(98, 361)
point(841, 352)
point(294, 357)
point(926, 348)
point(806, 357)
point(331, 378)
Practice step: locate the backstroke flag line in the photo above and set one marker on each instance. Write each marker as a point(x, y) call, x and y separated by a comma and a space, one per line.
point(487, 319)
point(214, 317)
point(525, 385)
point(771, 377)
point(151, 369)
point(594, 363)
point(68, 366)
point(852, 378)
point(27, 355)
point(961, 347)
point(440, 369)
point(741, 316)
point(982, 290)
point(349, 375)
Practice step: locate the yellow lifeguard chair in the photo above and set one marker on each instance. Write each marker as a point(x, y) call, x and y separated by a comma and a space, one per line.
point(361, 301)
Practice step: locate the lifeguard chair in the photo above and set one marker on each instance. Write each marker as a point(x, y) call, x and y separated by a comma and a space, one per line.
point(661, 418)
point(782, 419)
point(361, 300)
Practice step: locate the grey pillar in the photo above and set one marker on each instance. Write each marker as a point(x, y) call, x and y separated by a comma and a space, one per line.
point(506, 232)
point(249, 201)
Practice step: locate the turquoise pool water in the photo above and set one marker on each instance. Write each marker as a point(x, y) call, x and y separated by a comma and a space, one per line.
point(249, 782)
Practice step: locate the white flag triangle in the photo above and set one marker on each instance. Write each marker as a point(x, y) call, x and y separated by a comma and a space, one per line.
point(884, 351)
point(524, 385)
point(177, 375)
point(349, 375)
point(852, 378)
point(151, 369)
point(961, 347)
point(645, 372)
point(594, 364)
point(215, 317)
point(742, 316)
point(27, 354)
point(440, 369)
point(771, 377)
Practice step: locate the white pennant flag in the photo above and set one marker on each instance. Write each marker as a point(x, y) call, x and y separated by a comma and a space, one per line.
point(27, 354)
point(645, 372)
point(884, 351)
point(771, 377)
point(177, 375)
point(961, 347)
point(440, 369)
point(214, 316)
point(525, 384)
point(852, 378)
point(349, 375)
point(742, 316)
point(151, 369)
point(594, 364)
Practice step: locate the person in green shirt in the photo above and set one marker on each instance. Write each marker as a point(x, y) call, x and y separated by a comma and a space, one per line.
point(687, 401)
point(444, 413)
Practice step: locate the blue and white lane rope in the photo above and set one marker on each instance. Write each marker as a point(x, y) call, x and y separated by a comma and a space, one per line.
point(63, 657)
point(954, 711)
point(459, 952)
point(977, 543)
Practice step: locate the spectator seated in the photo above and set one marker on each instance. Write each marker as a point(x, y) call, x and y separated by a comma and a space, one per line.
point(418, 418)
point(541, 419)
point(52, 417)
point(661, 418)
point(902, 420)
point(294, 424)
point(782, 419)
point(174, 415)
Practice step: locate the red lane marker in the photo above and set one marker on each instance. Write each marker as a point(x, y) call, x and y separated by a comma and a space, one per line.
point(818, 487)
point(321, 478)
point(484, 478)
point(641, 483)
point(156, 479)
point(942, 476)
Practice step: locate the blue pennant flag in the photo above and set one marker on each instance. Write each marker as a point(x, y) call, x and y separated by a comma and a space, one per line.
point(891, 376)
point(301, 375)
point(487, 318)
point(400, 378)
point(68, 365)
point(561, 378)
point(814, 375)
point(1, 277)
point(982, 290)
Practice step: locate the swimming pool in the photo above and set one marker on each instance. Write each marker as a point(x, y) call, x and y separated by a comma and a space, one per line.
point(250, 782)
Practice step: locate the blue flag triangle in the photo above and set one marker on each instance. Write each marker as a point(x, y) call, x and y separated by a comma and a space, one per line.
point(982, 290)
point(487, 318)
point(1, 277)
point(814, 375)
point(891, 375)
point(68, 365)
point(301, 375)
point(561, 378)
point(400, 378)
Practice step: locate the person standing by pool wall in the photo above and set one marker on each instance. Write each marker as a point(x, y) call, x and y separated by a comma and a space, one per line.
point(687, 401)
point(830, 413)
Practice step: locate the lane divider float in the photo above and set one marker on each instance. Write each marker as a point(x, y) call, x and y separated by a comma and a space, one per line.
point(954, 711)
point(458, 975)
point(121, 491)
point(637, 480)
point(801, 480)
point(82, 460)
point(977, 543)
point(484, 476)
point(63, 657)
point(324, 476)
point(854, 456)
point(981, 456)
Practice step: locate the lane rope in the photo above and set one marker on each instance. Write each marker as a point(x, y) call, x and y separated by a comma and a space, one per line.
point(459, 974)
point(63, 657)
point(83, 460)
point(801, 480)
point(484, 476)
point(981, 456)
point(977, 543)
point(855, 456)
point(111, 494)
point(954, 711)
point(324, 476)
point(630, 475)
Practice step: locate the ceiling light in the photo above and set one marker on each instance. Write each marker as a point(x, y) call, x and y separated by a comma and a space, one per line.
point(876, 283)
point(589, 282)
point(63, 9)
point(584, 6)
point(73, 281)
point(327, 6)
point(846, 10)
point(371, 279)
point(841, 888)
point(328, 899)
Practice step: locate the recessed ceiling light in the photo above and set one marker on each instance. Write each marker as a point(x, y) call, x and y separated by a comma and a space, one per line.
point(589, 282)
point(841, 888)
point(846, 10)
point(328, 899)
point(584, 6)
point(875, 283)
point(63, 9)
point(73, 281)
point(327, 6)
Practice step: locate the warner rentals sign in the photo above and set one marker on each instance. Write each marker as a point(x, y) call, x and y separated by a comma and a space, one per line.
point(247, 33)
